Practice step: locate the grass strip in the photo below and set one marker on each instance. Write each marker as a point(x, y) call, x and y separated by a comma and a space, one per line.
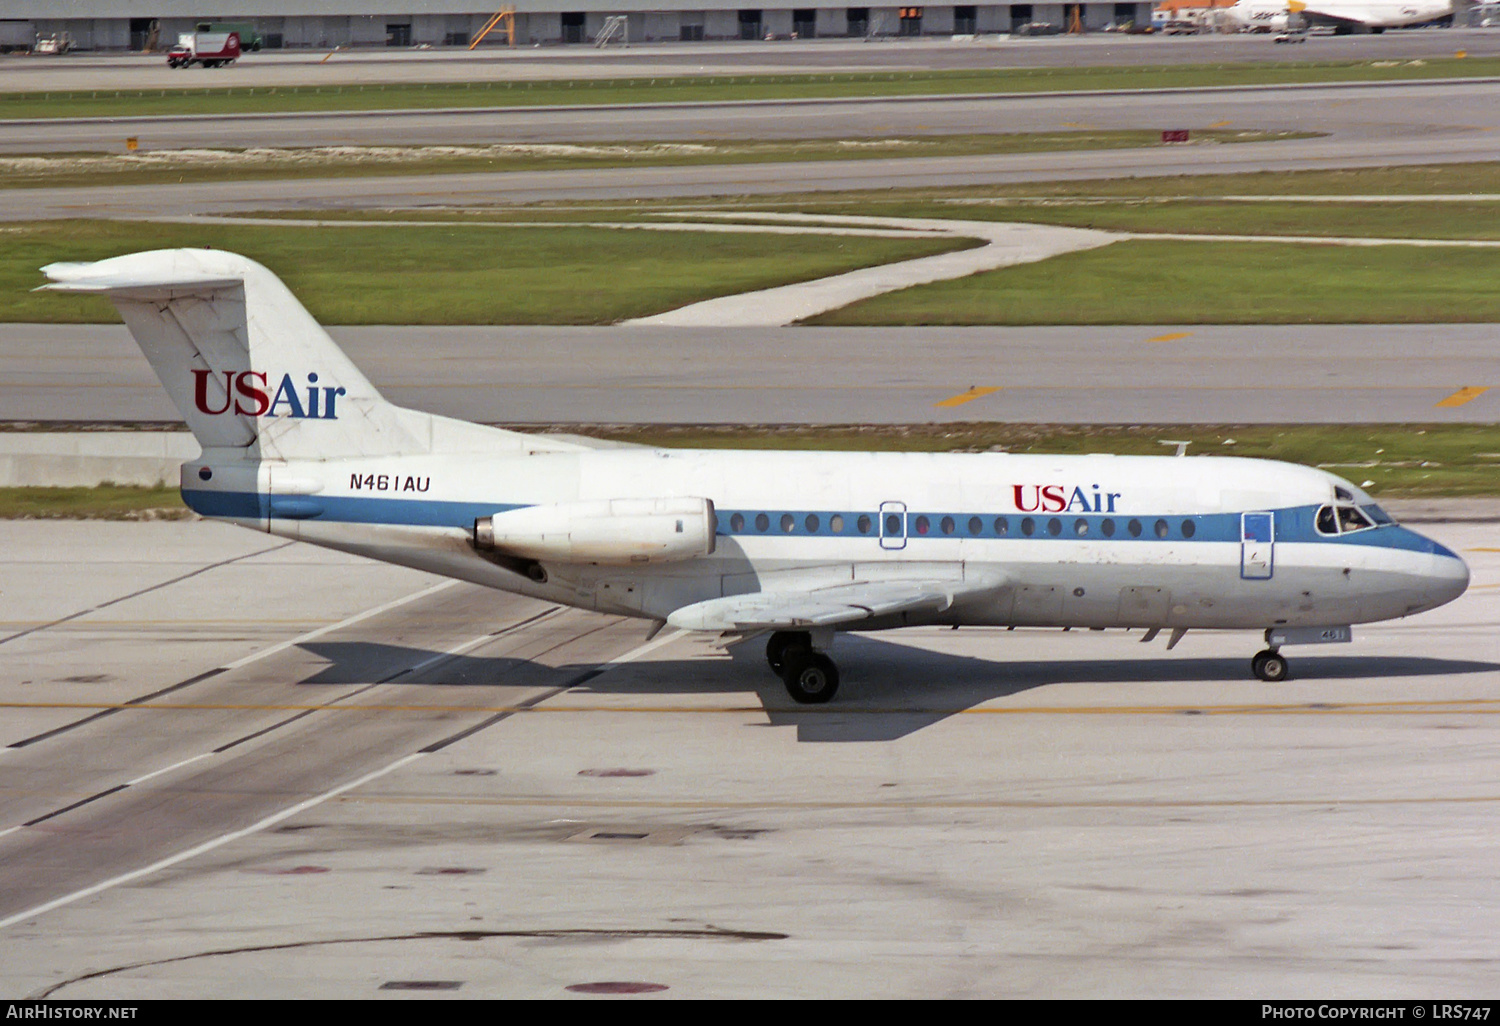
point(1190, 282)
point(1385, 183)
point(1262, 204)
point(1458, 221)
point(104, 502)
point(455, 274)
point(102, 103)
point(53, 170)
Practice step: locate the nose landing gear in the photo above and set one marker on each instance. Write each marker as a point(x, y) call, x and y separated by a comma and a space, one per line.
point(1270, 665)
point(811, 678)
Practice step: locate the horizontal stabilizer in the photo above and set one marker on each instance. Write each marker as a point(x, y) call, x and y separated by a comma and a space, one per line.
point(250, 369)
point(84, 278)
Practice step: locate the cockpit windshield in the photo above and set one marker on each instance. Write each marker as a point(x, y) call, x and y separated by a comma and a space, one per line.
point(1346, 518)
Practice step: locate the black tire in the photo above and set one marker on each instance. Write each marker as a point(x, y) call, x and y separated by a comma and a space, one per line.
point(811, 678)
point(1270, 666)
point(776, 647)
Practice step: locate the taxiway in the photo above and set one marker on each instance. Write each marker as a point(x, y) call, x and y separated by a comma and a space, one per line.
point(239, 768)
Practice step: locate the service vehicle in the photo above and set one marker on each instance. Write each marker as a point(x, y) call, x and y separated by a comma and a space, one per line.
point(209, 49)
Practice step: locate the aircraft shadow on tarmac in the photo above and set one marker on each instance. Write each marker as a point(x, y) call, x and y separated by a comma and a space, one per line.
point(888, 690)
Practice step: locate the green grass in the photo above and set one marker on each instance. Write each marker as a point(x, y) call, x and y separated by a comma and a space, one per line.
point(970, 201)
point(1470, 179)
point(96, 169)
point(702, 88)
point(1171, 282)
point(454, 275)
point(1413, 220)
point(105, 502)
point(1419, 179)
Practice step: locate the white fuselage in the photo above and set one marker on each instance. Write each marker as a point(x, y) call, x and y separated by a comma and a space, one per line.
point(1274, 15)
point(1086, 541)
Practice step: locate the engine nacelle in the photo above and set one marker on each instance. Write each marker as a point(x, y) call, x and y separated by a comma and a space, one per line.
point(610, 532)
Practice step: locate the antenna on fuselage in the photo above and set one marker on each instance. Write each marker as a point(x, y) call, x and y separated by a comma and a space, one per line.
point(1181, 446)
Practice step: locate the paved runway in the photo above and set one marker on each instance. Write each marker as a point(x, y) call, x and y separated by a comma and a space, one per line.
point(1436, 109)
point(1366, 126)
point(352, 779)
point(1054, 375)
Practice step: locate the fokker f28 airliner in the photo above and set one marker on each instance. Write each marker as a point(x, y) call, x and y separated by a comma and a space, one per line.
point(797, 546)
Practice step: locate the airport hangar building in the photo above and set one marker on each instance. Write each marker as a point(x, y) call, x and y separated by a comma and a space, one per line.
point(140, 24)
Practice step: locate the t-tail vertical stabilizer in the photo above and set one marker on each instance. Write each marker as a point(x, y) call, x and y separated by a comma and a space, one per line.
point(251, 371)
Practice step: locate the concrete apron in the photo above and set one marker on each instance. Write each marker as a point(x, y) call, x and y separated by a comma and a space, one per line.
point(84, 459)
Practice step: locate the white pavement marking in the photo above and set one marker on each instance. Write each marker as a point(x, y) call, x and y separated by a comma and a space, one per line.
point(284, 814)
point(648, 226)
point(1006, 244)
point(207, 846)
point(167, 769)
point(346, 622)
point(1318, 240)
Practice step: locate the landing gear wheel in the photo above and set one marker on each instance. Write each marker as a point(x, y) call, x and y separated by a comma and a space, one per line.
point(779, 642)
point(810, 677)
point(1270, 665)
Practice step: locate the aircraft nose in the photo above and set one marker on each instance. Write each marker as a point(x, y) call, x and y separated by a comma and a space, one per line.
point(1448, 578)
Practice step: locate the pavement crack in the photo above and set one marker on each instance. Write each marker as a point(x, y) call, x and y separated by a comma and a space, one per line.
point(144, 591)
point(708, 933)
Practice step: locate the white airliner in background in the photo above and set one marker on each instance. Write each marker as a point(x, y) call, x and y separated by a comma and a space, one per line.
point(1343, 15)
point(794, 545)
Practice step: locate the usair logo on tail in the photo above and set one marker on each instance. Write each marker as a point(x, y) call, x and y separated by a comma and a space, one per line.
point(249, 394)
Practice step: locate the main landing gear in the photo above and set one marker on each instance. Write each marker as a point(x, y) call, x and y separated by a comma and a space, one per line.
point(810, 677)
point(1270, 665)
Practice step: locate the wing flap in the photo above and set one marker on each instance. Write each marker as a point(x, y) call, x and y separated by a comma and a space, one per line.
point(827, 607)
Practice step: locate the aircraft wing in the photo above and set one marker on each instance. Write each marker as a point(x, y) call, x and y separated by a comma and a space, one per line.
point(832, 606)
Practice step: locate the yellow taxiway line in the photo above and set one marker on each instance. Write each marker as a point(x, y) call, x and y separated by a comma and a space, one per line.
point(1464, 395)
point(966, 397)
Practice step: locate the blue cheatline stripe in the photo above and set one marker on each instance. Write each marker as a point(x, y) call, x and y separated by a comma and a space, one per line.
point(958, 526)
point(343, 509)
point(1299, 524)
point(1293, 524)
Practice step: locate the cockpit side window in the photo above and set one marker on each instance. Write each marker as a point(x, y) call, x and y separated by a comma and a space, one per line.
point(1327, 522)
